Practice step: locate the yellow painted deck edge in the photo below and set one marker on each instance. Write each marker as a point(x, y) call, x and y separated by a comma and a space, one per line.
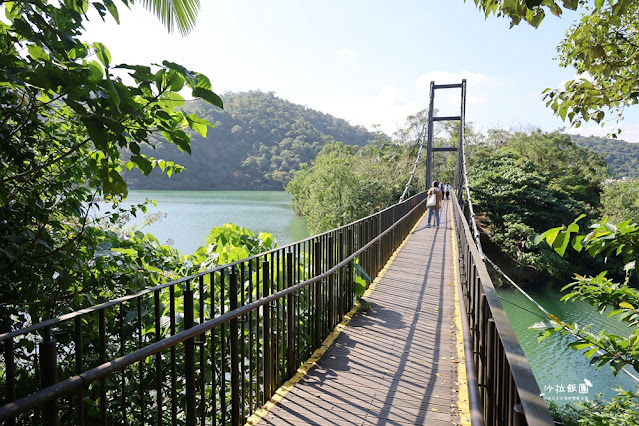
point(319, 352)
point(462, 394)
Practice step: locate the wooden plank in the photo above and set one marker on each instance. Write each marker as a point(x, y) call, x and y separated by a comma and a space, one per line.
point(395, 363)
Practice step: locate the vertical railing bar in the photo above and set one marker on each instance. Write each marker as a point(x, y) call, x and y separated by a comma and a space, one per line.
point(202, 350)
point(158, 359)
point(77, 340)
point(243, 340)
point(10, 384)
point(298, 303)
point(140, 364)
point(350, 248)
point(222, 349)
point(235, 385)
point(340, 278)
point(49, 376)
point(259, 367)
point(102, 360)
point(331, 285)
point(282, 367)
point(172, 314)
point(318, 296)
point(122, 351)
point(213, 353)
point(275, 336)
point(490, 372)
point(252, 382)
point(266, 330)
point(189, 358)
point(290, 335)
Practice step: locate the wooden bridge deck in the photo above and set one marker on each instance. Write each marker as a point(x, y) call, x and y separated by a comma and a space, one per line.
point(398, 362)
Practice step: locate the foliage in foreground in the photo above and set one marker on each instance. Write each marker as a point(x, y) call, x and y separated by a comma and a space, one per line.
point(614, 299)
point(70, 126)
point(622, 410)
point(606, 240)
point(600, 48)
point(139, 260)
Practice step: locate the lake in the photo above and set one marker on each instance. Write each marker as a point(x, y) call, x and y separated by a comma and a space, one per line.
point(560, 370)
point(190, 215)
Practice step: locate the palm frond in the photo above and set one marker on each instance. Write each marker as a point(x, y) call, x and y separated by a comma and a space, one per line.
point(174, 13)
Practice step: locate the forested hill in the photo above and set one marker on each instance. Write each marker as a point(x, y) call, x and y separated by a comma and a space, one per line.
point(622, 157)
point(258, 141)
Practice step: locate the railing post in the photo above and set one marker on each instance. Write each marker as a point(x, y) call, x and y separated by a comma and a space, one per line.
point(290, 332)
point(331, 285)
point(158, 358)
point(77, 340)
point(340, 278)
point(266, 330)
point(489, 414)
point(350, 235)
point(189, 359)
point(49, 376)
point(11, 374)
point(102, 360)
point(318, 296)
point(235, 376)
point(518, 415)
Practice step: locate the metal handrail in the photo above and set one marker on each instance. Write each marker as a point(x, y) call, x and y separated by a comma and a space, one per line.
point(71, 315)
point(387, 229)
point(500, 362)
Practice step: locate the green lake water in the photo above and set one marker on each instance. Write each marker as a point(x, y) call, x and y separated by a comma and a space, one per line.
point(190, 215)
point(563, 374)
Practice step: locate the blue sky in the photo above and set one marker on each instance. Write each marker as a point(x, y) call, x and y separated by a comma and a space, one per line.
point(369, 62)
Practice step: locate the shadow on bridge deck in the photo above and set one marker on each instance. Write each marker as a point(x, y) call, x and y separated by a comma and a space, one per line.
point(396, 363)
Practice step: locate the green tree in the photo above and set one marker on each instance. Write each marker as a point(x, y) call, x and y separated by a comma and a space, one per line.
point(70, 126)
point(601, 47)
point(530, 181)
point(344, 184)
point(621, 201)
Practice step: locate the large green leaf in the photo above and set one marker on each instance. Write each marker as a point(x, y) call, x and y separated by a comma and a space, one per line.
point(208, 96)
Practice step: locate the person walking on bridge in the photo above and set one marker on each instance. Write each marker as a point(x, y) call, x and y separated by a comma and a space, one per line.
point(434, 207)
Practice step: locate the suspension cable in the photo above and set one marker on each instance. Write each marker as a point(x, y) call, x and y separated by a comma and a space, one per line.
point(541, 308)
point(419, 153)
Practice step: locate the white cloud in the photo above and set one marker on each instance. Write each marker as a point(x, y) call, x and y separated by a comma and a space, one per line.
point(576, 77)
point(345, 51)
point(445, 77)
point(387, 107)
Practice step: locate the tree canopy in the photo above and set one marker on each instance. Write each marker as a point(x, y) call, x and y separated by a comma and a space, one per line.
point(528, 182)
point(69, 127)
point(602, 48)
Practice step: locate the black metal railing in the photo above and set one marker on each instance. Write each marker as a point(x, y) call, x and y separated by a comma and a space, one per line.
point(209, 348)
point(508, 393)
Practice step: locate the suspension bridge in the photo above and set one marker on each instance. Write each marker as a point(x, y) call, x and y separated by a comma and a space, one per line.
point(278, 339)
